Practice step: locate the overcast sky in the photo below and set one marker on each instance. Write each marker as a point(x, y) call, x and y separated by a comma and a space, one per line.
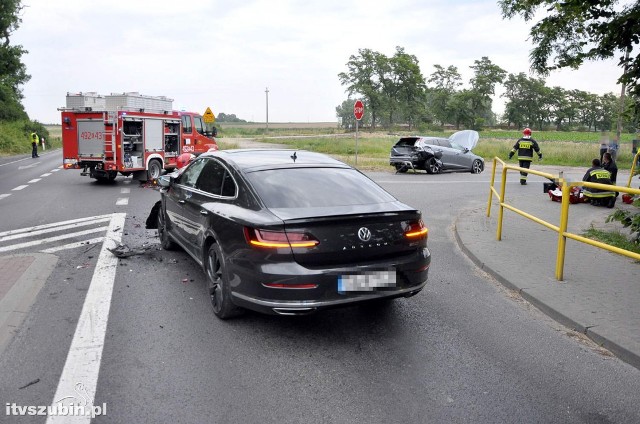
point(224, 54)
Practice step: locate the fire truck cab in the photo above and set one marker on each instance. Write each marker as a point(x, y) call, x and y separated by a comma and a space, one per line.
point(106, 140)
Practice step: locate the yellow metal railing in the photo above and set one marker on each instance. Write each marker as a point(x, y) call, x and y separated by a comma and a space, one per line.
point(564, 210)
point(636, 160)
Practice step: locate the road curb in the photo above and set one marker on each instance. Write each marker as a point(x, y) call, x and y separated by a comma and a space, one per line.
point(619, 351)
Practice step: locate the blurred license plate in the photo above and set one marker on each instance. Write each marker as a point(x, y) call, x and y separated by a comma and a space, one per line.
point(366, 281)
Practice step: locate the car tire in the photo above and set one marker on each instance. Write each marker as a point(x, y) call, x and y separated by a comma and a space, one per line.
point(477, 166)
point(432, 166)
point(155, 169)
point(163, 235)
point(218, 285)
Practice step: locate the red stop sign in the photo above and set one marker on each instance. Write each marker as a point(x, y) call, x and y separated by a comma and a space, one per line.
point(358, 110)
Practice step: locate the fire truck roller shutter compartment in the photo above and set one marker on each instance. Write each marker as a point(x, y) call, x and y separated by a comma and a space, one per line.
point(153, 135)
point(90, 138)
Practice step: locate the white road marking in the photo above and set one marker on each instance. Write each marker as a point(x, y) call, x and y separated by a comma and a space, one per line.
point(51, 229)
point(125, 190)
point(55, 170)
point(46, 174)
point(74, 245)
point(50, 239)
point(85, 353)
point(35, 180)
point(126, 182)
point(20, 187)
point(2, 196)
point(15, 161)
point(56, 224)
point(27, 166)
point(122, 201)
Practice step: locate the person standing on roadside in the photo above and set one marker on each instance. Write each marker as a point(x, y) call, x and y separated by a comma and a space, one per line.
point(525, 146)
point(34, 145)
point(604, 145)
point(610, 165)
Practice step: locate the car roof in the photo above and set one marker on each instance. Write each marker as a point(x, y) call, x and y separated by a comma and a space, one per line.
point(262, 159)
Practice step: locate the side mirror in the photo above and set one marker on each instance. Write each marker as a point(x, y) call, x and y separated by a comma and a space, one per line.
point(214, 132)
point(165, 180)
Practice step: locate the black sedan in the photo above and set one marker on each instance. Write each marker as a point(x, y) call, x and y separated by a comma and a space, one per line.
point(289, 233)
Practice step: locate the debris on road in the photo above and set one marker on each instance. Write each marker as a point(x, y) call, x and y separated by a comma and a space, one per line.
point(31, 383)
point(124, 251)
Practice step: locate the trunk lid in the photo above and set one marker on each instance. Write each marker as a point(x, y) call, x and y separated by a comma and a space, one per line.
point(356, 238)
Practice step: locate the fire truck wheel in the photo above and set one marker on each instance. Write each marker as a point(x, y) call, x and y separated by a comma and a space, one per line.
point(165, 240)
point(218, 285)
point(155, 168)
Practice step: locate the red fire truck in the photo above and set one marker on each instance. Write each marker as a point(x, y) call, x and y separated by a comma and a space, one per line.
point(130, 141)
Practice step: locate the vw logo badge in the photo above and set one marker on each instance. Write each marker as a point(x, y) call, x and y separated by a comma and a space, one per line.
point(364, 234)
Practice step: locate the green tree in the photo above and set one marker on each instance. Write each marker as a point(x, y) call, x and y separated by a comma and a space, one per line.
point(483, 84)
point(573, 31)
point(13, 72)
point(410, 86)
point(446, 82)
point(365, 76)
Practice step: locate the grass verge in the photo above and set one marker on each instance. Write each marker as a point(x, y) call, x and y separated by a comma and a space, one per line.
point(613, 238)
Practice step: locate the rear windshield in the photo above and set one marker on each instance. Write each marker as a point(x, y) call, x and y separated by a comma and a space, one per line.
point(316, 187)
point(407, 141)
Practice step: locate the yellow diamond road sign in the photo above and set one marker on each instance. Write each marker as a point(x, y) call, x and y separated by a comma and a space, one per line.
point(208, 116)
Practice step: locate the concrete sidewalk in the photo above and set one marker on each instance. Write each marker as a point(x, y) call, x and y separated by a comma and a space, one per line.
point(600, 294)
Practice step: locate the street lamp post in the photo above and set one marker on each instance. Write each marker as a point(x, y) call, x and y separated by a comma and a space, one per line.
point(266, 91)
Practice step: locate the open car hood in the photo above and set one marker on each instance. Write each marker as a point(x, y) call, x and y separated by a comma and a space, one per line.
point(466, 139)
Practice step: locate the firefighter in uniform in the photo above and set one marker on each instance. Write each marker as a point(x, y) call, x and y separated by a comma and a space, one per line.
point(525, 147)
point(34, 145)
point(597, 174)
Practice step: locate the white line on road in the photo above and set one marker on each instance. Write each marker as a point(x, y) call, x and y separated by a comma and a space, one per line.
point(125, 190)
point(46, 174)
point(35, 180)
point(74, 245)
point(55, 170)
point(50, 239)
point(122, 201)
point(55, 224)
point(85, 353)
point(20, 187)
point(15, 161)
point(27, 166)
point(51, 229)
point(2, 196)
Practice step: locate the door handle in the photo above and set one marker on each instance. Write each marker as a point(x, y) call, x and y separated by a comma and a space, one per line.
point(203, 212)
point(181, 202)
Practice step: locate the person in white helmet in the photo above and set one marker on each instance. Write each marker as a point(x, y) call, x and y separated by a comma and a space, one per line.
point(525, 146)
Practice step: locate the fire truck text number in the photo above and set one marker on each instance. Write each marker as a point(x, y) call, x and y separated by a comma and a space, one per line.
point(187, 149)
point(88, 135)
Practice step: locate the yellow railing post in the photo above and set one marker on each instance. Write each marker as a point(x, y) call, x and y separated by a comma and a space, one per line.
point(633, 168)
point(562, 238)
point(493, 179)
point(503, 185)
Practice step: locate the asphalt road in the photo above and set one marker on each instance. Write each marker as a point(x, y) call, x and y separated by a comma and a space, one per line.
point(463, 350)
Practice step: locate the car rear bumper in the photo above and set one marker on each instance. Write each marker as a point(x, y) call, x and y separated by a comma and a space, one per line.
point(250, 284)
point(304, 307)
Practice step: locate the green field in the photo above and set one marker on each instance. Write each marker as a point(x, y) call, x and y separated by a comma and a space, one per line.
point(558, 148)
point(373, 149)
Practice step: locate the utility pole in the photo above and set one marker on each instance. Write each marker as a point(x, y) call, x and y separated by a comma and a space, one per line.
point(266, 91)
point(621, 109)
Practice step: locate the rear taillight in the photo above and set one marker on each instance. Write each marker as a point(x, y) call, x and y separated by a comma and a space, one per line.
point(416, 230)
point(278, 239)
